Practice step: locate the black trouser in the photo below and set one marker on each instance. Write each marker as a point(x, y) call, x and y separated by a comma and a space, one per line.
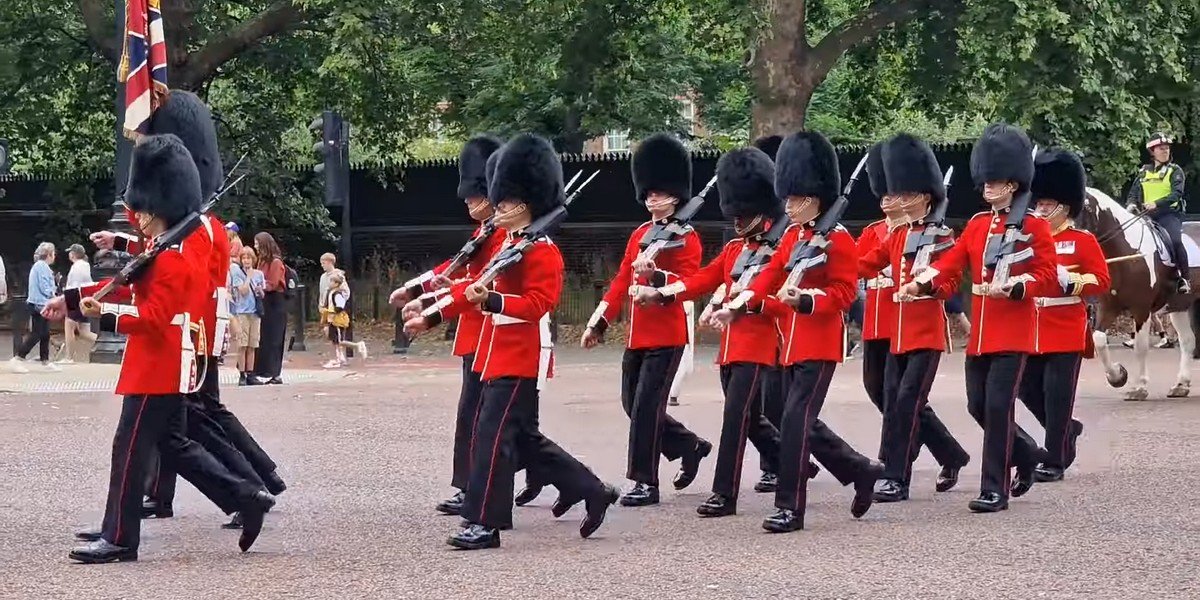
point(507, 427)
point(268, 362)
point(909, 422)
point(992, 381)
point(774, 394)
point(219, 430)
point(803, 433)
point(875, 356)
point(203, 430)
point(39, 335)
point(148, 423)
point(470, 400)
point(1048, 390)
point(1172, 222)
point(743, 418)
point(646, 377)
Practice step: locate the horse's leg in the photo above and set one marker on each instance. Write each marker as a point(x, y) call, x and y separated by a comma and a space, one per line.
point(1181, 321)
point(1141, 349)
point(1114, 373)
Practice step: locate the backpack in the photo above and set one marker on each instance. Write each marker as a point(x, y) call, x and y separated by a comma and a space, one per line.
point(290, 280)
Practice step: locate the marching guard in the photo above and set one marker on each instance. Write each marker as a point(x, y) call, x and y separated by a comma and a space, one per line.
point(658, 334)
point(1063, 338)
point(745, 180)
point(879, 308)
point(472, 190)
point(810, 313)
point(1010, 255)
point(918, 331)
point(511, 356)
point(160, 363)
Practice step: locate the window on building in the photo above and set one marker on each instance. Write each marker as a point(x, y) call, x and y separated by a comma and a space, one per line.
point(616, 141)
point(687, 110)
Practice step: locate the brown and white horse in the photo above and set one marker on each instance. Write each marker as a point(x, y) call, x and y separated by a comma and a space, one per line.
point(1141, 284)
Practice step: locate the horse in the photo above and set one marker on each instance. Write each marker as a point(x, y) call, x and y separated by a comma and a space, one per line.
point(1142, 283)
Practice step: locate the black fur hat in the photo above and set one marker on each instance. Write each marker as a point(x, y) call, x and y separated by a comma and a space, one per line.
point(472, 166)
point(661, 163)
point(528, 170)
point(1059, 175)
point(163, 179)
point(187, 117)
point(875, 172)
point(746, 184)
point(807, 165)
point(1003, 153)
point(489, 169)
point(769, 144)
point(911, 167)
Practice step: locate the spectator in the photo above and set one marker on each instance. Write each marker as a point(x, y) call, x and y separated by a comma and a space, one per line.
point(77, 331)
point(328, 265)
point(41, 290)
point(274, 319)
point(235, 242)
point(3, 283)
point(246, 291)
point(337, 319)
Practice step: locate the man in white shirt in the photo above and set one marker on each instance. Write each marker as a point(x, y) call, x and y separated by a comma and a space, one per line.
point(79, 334)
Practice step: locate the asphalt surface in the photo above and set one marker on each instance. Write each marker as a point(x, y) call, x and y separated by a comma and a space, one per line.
point(366, 457)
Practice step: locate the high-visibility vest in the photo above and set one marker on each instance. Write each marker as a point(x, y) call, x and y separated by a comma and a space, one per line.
point(1156, 185)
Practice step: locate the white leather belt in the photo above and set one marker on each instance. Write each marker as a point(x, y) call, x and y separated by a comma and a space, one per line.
point(1063, 301)
point(880, 283)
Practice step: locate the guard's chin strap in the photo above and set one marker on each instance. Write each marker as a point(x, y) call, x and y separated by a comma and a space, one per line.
point(744, 231)
point(794, 215)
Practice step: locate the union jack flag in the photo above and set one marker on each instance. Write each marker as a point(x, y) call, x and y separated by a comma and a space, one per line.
point(143, 63)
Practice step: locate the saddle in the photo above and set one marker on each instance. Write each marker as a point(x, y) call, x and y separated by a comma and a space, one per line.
point(1166, 252)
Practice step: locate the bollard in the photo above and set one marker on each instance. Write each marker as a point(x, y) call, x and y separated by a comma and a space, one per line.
point(299, 318)
point(19, 317)
point(400, 341)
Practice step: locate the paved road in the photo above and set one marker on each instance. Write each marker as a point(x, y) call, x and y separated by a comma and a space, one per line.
point(364, 457)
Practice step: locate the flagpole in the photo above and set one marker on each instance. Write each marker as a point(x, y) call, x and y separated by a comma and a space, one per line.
point(110, 347)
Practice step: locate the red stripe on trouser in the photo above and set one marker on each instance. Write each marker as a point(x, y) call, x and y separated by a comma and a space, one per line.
point(662, 411)
point(487, 489)
point(137, 422)
point(737, 466)
point(474, 427)
point(926, 384)
point(1012, 424)
point(801, 480)
point(1069, 422)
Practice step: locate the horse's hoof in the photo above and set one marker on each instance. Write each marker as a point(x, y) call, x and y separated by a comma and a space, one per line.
point(1120, 380)
point(1180, 391)
point(1137, 395)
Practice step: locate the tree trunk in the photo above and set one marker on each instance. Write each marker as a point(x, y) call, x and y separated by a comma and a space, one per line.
point(572, 138)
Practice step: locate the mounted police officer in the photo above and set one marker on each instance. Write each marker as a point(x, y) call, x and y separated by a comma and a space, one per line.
point(1159, 191)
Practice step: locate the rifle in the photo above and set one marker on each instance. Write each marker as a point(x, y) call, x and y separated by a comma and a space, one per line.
point(750, 262)
point(669, 234)
point(935, 237)
point(515, 252)
point(176, 234)
point(811, 252)
point(1001, 252)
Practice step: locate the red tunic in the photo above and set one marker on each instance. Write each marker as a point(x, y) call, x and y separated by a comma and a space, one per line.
point(832, 286)
point(1062, 314)
point(880, 308)
point(999, 324)
point(160, 357)
point(470, 322)
point(515, 339)
point(750, 338)
point(652, 326)
point(918, 324)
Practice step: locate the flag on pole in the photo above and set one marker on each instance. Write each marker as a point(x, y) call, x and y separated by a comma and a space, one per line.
point(143, 63)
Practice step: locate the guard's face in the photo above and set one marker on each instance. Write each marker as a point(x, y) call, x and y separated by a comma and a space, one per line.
point(999, 193)
point(479, 208)
point(1047, 208)
point(802, 209)
point(1161, 153)
point(747, 226)
point(890, 204)
point(512, 214)
point(660, 205)
point(914, 205)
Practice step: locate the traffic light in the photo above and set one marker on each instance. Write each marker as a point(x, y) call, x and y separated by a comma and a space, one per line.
point(334, 149)
point(5, 164)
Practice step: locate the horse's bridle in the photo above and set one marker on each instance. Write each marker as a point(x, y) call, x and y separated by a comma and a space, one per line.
point(1121, 228)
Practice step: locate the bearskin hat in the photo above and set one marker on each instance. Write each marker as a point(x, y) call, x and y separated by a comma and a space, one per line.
point(1003, 153)
point(875, 171)
point(807, 165)
point(163, 179)
point(769, 144)
point(472, 165)
point(528, 170)
point(489, 169)
point(746, 184)
point(1059, 175)
point(187, 117)
point(661, 163)
point(911, 167)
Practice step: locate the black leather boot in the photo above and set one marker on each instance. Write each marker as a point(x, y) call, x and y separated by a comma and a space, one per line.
point(988, 502)
point(475, 537)
point(690, 464)
point(101, 551)
point(784, 521)
point(451, 505)
point(718, 506)
point(640, 495)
